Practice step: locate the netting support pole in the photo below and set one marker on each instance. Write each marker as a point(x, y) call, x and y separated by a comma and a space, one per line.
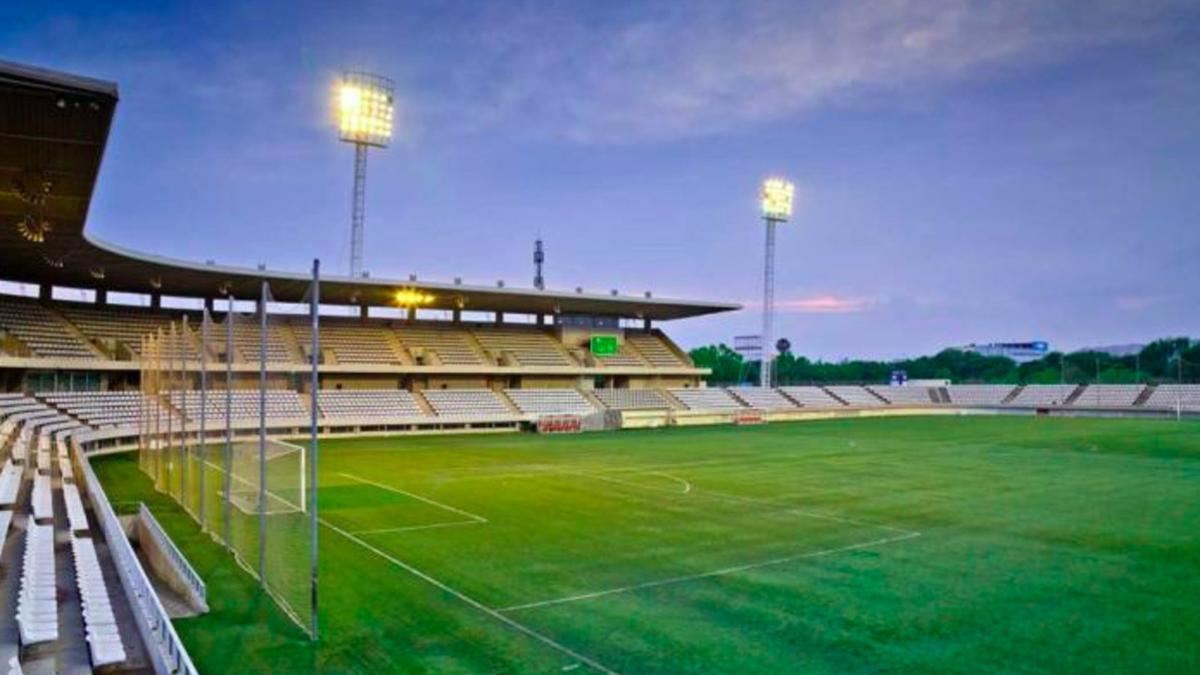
point(227, 460)
point(262, 435)
point(155, 376)
point(313, 453)
point(164, 481)
point(186, 379)
point(202, 452)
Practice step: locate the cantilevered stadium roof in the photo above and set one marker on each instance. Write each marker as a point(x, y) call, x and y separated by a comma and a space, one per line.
point(53, 132)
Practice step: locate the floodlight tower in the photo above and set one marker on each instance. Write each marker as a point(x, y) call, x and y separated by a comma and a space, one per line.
point(777, 197)
point(539, 257)
point(365, 107)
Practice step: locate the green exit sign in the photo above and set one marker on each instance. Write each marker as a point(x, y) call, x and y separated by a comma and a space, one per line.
point(604, 345)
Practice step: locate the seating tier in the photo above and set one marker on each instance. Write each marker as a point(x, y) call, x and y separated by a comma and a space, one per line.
point(550, 401)
point(466, 403)
point(706, 399)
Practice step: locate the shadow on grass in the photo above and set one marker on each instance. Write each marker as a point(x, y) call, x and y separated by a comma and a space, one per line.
point(245, 631)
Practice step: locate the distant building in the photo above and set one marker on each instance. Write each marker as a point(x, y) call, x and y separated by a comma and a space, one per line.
point(1017, 351)
point(1117, 350)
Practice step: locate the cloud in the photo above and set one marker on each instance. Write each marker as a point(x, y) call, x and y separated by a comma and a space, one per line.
point(821, 304)
point(671, 70)
point(1135, 303)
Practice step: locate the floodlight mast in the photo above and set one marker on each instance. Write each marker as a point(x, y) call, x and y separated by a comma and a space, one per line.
point(365, 108)
point(777, 197)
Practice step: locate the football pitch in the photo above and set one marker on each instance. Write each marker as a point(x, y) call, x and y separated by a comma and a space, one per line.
point(920, 544)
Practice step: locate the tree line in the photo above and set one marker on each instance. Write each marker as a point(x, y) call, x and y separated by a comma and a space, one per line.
point(1161, 361)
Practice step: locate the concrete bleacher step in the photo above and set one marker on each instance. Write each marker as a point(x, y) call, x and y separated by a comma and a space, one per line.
point(477, 347)
point(591, 398)
point(423, 404)
point(74, 330)
point(1145, 395)
point(876, 394)
point(632, 350)
point(1075, 394)
point(834, 396)
point(397, 347)
point(673, 400)
point(1013, 394)
point(289, 340)
point(512, 407)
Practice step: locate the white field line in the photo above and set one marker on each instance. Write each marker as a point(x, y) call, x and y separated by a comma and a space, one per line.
point(413, 528)
point(431, 502)
point(687, 487)
point(508, 621)
point(705, 575)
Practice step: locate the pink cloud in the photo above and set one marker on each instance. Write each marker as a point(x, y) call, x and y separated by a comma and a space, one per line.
point(821, 304)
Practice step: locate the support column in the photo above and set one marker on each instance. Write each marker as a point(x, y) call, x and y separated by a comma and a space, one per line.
point(541, 319)
point(457, 316)
point(101, 297)
point(156, 301)
point(646, 325)
point(499, 318)
point(45, 293)
point(210, 304)
point(362, 311)
point(412, 313)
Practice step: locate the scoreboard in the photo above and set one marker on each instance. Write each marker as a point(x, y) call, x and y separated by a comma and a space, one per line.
point(604, 345)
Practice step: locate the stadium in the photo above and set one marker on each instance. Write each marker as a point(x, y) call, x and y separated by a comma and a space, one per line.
point(257, 485)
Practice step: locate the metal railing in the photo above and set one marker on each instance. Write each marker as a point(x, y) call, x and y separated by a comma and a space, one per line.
point(180, 563)
point(166, 650)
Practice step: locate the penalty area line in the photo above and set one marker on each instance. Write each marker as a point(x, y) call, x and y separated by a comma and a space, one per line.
point(705, 575)
point(508, 621)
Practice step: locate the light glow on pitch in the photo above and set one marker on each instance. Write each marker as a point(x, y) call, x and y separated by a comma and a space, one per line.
point(408, 297)
point(365, 108)
point(777, 197)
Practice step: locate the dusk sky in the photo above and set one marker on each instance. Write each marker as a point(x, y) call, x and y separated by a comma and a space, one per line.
point(968, 172)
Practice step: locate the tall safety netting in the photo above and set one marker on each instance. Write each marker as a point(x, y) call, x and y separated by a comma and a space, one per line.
point(229, 433)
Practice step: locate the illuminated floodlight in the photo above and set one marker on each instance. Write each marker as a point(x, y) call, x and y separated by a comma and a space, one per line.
point(364, 105)
point(365, 109)
point(408, 297)
point(777, 197)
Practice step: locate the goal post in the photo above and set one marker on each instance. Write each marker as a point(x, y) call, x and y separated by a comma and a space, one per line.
point(286, 472)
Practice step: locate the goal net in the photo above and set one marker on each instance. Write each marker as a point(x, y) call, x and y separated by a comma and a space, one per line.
point(281, 473)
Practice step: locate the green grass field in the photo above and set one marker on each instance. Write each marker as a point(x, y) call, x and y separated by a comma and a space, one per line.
point(901, 545)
